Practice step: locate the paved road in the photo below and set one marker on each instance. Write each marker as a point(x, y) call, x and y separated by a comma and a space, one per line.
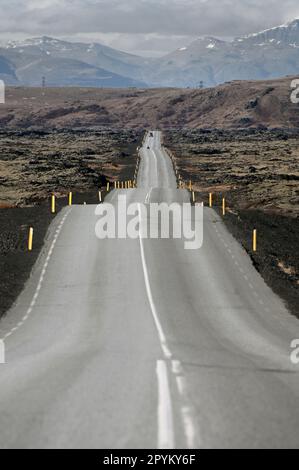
point(141, 343)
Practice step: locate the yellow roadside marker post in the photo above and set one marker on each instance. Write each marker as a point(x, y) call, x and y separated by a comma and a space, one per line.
point(100, 196)
point(118, 185)
point(223, 207)
point(115, 184)
point(30, 239)
point(193, 196)
point(210, 200)
point(254, 241)
point(53, 204)
point(70, 198)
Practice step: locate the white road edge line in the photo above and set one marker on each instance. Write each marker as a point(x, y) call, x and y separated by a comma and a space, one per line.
point(256, 295)
point(40, 282)
point(165, 417)
point(161, 334)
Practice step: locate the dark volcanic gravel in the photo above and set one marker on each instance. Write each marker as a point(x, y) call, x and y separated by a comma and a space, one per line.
point(35, 164)
point(258, 173)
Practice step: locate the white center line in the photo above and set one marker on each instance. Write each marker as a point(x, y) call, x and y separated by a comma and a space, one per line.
point(166, 432)
point(161, 334)
point(148, 196)
point(165, 417)
point(176, 367)
point(189, 427)
point(156, 166)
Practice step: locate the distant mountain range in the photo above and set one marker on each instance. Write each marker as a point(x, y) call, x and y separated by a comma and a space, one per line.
point(64, 63)
point(207, 62)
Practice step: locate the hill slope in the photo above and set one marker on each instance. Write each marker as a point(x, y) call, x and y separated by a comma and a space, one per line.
point(242, 104)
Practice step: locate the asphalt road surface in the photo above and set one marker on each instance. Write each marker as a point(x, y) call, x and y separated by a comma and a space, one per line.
point(139, 343)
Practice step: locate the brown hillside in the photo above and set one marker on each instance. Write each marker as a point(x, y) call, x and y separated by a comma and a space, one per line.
point(232, 105)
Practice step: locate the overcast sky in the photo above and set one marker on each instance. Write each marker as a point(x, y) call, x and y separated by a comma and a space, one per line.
point(149, 27)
